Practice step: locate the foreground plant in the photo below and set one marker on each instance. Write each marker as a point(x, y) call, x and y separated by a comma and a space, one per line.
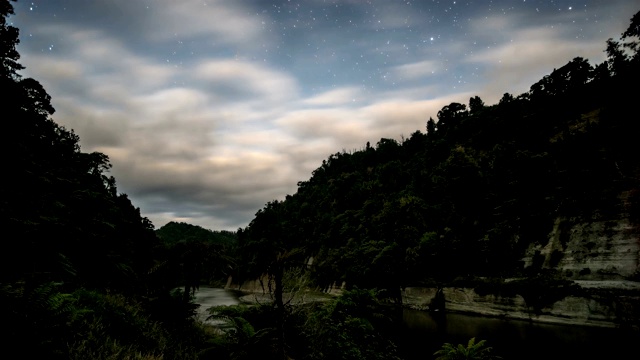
point(473, 350)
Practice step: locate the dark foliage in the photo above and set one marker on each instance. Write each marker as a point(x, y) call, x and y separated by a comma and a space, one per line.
point(83, 274)
point(174, 232)
point(192, 255)
point(472, 194)
point(74, 244)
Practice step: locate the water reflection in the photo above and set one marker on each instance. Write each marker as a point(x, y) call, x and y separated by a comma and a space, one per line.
point(207, 297)
point(424, 333)
point(515, 339)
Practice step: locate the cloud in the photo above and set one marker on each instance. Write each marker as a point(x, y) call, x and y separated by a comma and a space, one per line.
point(343, 125)
point(168, 134)
point(390, 116)
point(222, 22)
point(207, 109)
point(246, 79)
point(98, 128)
point(169, 103)
point(60, 69)
point(525, 46)
point(335, 97)
point(401, 118)
point(513, 64)
point(217, 188)
point(416, 70)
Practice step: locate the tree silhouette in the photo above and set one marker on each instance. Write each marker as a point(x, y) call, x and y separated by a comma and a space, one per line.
point(8, 42)
point(475, 104)
point(67, 218)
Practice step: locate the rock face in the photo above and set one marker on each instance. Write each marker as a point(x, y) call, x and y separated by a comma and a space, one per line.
point(602, 249)
point(596, 308)
point(600, 254)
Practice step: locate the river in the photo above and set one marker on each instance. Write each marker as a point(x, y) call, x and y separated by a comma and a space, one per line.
point(511, 339)
point(207, 297)
point(517, 339)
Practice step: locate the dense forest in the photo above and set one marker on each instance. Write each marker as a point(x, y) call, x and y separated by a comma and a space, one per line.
point(467, 197)
point(85, 276)
point(197, 255)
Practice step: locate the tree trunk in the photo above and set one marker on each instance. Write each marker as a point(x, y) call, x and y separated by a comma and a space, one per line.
point(279, 306)
point(277, 293)
point(186, 295)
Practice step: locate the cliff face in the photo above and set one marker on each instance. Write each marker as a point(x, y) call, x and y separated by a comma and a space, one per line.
point(605, 246)
point(603, 304)
point(602, 249)
point(600, 254)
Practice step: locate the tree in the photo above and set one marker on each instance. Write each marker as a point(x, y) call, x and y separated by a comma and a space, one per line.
point(192, 254)
point(9, 40)
point(566, 79)
point(353, 326)
point(616, 57)
point(271, 244)
point(449, 118)
point(69, 227)
point(452, 111)
point(431, 127)
point(475, 104)
point(63, 209)
point(473, 351)
point(633, 31)
point(506, 98)
point(466, 199)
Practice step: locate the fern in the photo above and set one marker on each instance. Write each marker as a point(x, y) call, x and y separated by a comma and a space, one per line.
point(50, 304)
point(473, 350)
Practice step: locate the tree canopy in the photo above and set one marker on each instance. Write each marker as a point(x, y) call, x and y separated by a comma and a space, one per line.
point(468, 197)
point(66, 218)
point(465, 199)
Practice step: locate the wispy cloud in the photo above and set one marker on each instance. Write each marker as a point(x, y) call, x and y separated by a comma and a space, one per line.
point(416, 70)
point(209, 109)
point(221, 22)
point(335, 97)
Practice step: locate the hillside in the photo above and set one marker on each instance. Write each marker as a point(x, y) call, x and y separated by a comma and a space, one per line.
point(544, 183)
point(174, 232)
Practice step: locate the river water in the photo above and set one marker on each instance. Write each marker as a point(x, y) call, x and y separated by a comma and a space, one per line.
point(516, 339)
point(207, 297)
point(424, 333)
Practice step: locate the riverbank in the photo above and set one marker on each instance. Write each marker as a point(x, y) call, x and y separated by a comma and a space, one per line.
point(424, 332)
point(607, 304)
point(297, 298)
point(601, 304)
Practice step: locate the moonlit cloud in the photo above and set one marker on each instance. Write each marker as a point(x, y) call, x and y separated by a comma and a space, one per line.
point(335, 97)
point(246, 79)
point(515, 65)
point(225, 22)
point(417, 70)
point(210, 109)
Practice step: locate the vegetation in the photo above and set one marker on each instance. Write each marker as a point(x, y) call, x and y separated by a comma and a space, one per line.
point(81, 271)
point(352, 326)
point(175, 232)
point(191, 255)
point(84, 275)
point(466, 199)
point(473, 350)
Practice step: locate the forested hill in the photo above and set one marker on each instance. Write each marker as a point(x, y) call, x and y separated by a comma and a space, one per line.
point(468, 195)
point(82, 273)
point(61, 210)
point(196, 255)
point(174, 232)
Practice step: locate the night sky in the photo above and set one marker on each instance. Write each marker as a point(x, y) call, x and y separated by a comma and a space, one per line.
point(209, 109)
